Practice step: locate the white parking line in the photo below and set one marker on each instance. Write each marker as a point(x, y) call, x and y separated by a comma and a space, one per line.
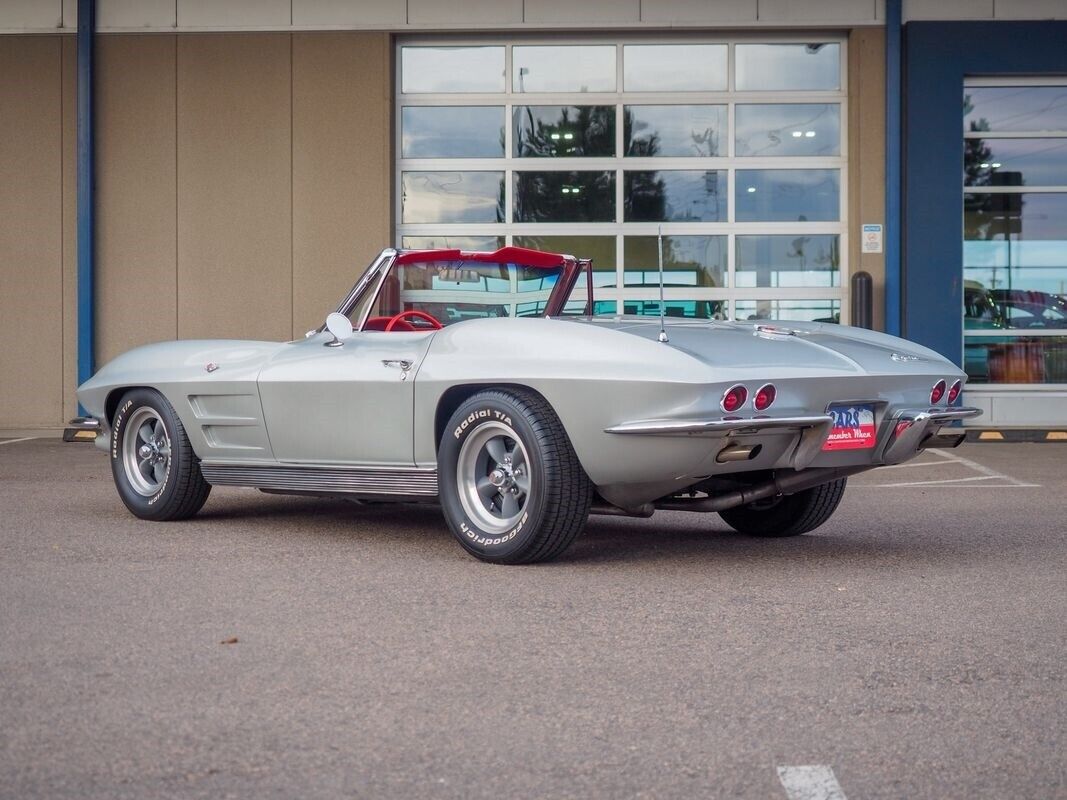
point(813, 782)
point(981, 468)
point(16, 441)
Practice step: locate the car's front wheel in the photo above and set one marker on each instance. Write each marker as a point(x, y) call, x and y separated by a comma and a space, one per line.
point(156, 472)
point(511, 487)
point(790, 515)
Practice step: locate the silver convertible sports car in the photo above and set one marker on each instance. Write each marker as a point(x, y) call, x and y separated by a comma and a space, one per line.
point(480, 381)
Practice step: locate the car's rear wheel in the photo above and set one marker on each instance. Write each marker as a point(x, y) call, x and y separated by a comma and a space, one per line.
point(156, 472)
point(790, 515)
point(511, 487)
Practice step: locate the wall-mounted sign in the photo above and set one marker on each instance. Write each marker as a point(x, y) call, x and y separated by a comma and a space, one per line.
point(871, 239)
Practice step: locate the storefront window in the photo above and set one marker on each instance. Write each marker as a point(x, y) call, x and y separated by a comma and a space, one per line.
point(1015, 234)
point(731, 150)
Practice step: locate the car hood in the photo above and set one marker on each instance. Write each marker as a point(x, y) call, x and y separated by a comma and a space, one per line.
point(787, 346)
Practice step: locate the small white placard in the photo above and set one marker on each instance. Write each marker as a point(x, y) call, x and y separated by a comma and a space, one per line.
point(871, 237)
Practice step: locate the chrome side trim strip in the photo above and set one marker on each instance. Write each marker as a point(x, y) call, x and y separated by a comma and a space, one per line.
point(922, 421)
point(719, 427)
point(355, 480)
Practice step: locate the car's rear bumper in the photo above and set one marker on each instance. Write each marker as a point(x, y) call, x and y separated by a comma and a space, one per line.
point(913, 429)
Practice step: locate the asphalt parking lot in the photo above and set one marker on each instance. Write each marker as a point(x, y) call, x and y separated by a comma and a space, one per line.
point(912, 647)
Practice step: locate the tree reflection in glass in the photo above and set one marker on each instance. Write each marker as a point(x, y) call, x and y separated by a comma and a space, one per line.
point(564, 131)
point(565, 196)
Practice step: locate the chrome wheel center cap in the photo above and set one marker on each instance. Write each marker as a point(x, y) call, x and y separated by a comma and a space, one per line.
point(499, 478)
point(144, 451)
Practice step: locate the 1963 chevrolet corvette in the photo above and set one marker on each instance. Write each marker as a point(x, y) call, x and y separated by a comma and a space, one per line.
point(480, 381)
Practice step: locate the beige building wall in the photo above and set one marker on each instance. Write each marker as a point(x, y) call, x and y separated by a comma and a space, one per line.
point(866, 149)
point(243, 181)
point(36, 229)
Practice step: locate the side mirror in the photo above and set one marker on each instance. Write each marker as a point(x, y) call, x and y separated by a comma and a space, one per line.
point(340, 327)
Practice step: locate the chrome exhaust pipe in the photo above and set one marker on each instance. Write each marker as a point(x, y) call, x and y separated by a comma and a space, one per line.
point(738, 452)
point(943, 440)
point(784, 482)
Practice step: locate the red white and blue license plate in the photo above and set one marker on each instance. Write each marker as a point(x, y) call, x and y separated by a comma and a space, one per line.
point(853, 428)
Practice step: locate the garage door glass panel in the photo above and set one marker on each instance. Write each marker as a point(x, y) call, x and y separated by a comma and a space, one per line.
point(687, 261)
point(564, 197)
point(443, 70)
point(1015, 108)
point(452, 131)
point(674, 67)
point(796, 310)
point(794, 129)
point(808, 67)
point(788, 261)
point(788, 195)
point(691, 309)
point(674, 131)
point(453, 197)
point(675, 196)
point(452, 242)
point(564, 131)
point(1015, 162)
point(563, 68)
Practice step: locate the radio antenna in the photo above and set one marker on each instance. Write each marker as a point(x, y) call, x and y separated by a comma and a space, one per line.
point(662, 325)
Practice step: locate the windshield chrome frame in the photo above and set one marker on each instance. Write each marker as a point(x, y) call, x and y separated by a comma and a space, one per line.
point(380, 268)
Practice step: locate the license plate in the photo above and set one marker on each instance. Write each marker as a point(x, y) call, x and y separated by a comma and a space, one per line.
point(853, 428)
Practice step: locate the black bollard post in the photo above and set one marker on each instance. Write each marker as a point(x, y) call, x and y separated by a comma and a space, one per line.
point(862, 300)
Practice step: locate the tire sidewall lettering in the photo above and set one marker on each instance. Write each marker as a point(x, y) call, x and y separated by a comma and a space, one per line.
point(478, 415)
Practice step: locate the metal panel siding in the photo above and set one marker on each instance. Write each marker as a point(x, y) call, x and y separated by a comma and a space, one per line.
point(616, 12)
point(938, 56)
point(31, 241)
point(154, 14)
point(1030, 9)
point(801, 11)
point(136, 193)
point(350, 13)
point(947, 9)
point(31, 14)
point(342, 176)
point(698, 11)
point(234, 186)
point(457, 13)
point(234, 13)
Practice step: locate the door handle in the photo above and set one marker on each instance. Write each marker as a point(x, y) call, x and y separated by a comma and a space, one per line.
point(404, 364)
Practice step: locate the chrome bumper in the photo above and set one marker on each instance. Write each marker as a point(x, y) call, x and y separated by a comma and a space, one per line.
point(913, 427)
point(813, 430)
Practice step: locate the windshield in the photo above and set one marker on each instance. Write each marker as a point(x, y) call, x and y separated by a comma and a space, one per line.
point(453, 291)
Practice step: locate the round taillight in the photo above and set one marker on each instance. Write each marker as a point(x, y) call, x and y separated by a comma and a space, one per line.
point(733, 398)
point(954, 392)
point(764, 397)
point(937, 392)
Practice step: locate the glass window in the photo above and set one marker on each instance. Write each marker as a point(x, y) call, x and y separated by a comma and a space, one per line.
point(489, 243)
point(565, 196)
point(564, 131)
point(453, 291)
point(788, 129)
point(675, 131)
point(687, 261)
point(452, 197)
point(795, 310)
point(452, 69)
point(1015, 108)
point(787, 195)
point(452, 132)
point(599, 248)
point(788, 261)
point(1015, 162)
point(563, 68)
point(675, 196)
point(693, 309)
point(787, 66)
point(674, 67)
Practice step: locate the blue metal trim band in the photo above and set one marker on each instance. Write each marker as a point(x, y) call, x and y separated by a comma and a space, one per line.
point(86, 239)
